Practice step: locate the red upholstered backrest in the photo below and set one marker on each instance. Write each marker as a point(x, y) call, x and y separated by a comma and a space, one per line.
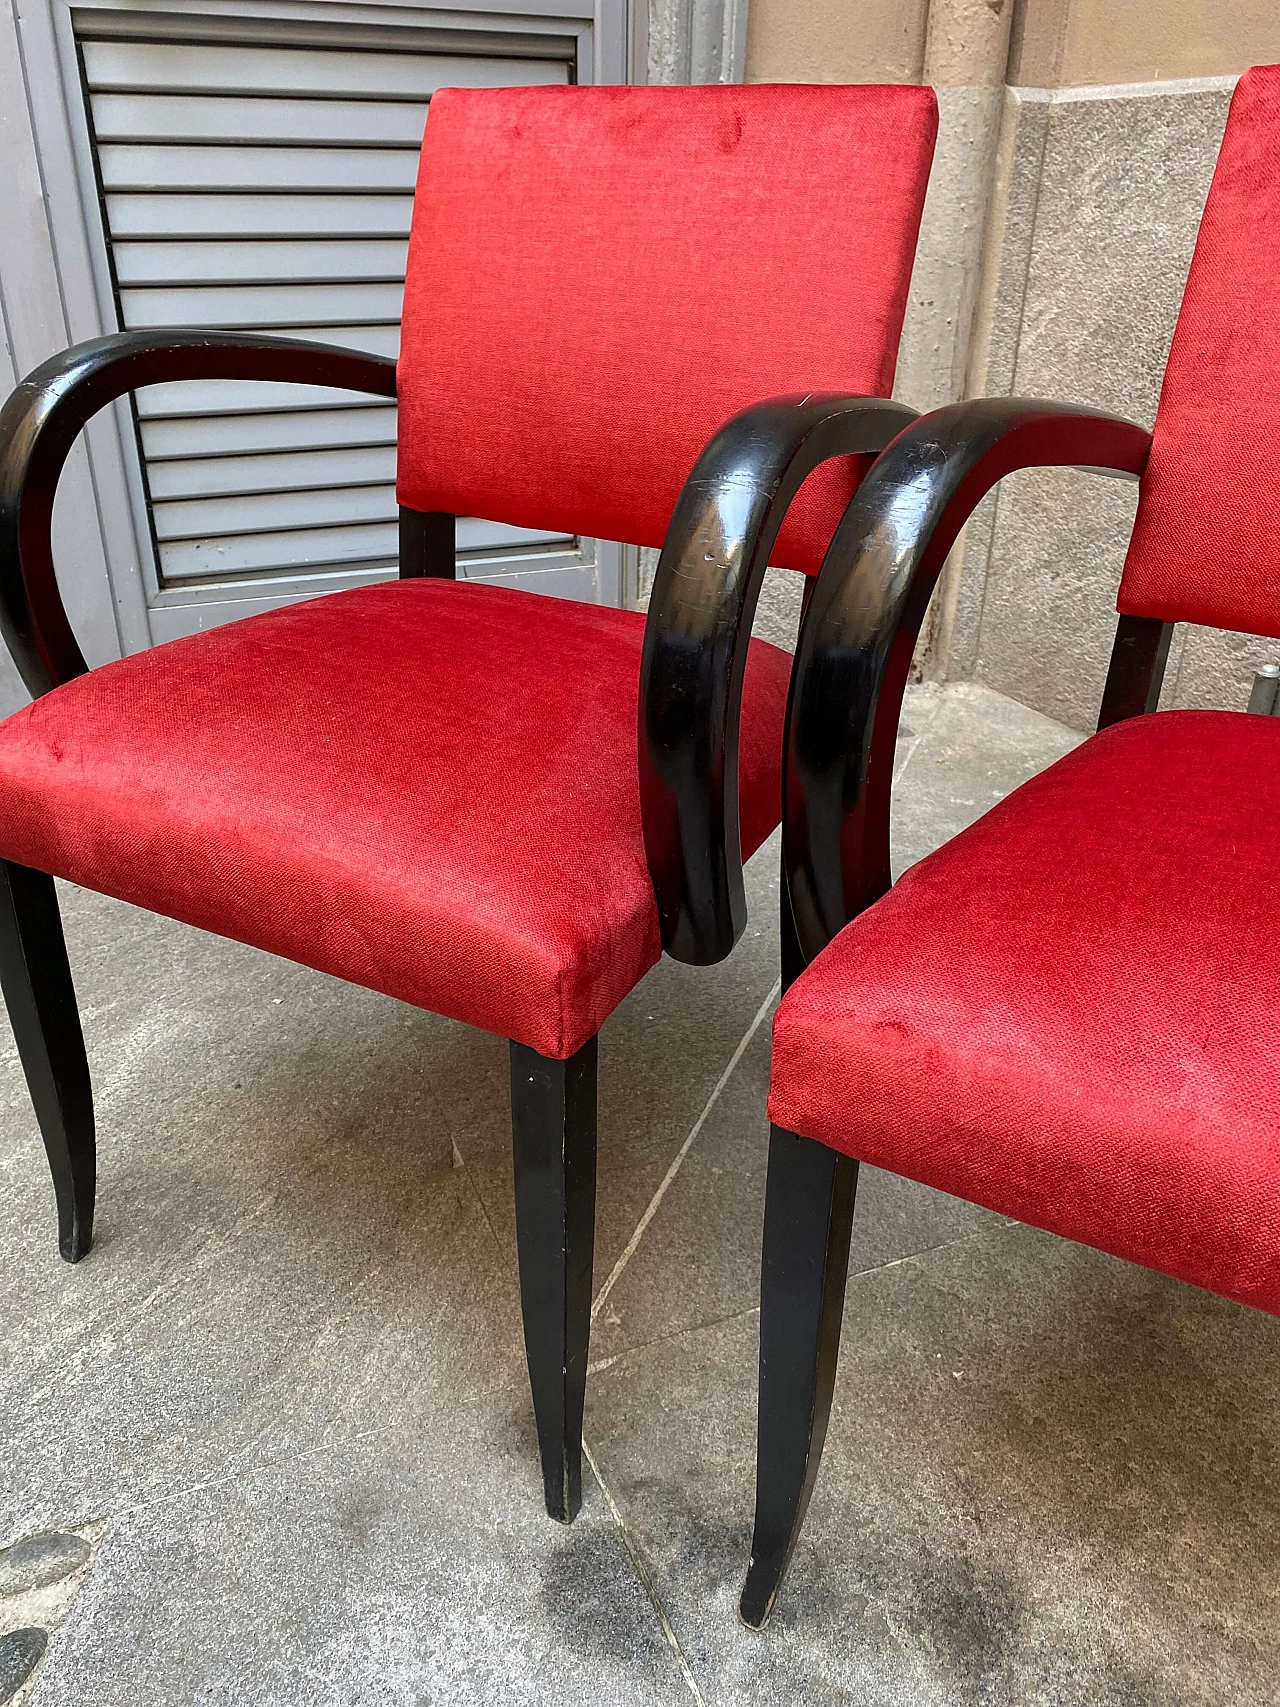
point(1206, 544)
point(599, 277)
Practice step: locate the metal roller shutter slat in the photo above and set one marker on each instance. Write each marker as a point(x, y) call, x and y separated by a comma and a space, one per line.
point(339, 262)
point(203, 436)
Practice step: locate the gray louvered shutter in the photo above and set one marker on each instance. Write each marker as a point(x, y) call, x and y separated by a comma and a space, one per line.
point(269, 185)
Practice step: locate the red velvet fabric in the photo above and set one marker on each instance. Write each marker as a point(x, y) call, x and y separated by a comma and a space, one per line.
point(425, 787)
point(1071, 1013)
point(600, 277)
point(1206, 544)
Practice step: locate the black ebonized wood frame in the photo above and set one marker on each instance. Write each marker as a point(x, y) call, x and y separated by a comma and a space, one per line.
point(41, 1000)
point(428, 545)
point(46, 413)
point(854, 653)
point(553, 1118)
point(704, 596)
point(694, 656)
point(857, 640)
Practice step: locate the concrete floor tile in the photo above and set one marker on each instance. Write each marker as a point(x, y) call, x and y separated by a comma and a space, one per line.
point(401, 1568)
point(1050, 1478)
point(275, 1185)
point(976, 748)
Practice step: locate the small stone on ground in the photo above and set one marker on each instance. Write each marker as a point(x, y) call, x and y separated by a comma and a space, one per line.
point(20, 1653)
point(39, 1560)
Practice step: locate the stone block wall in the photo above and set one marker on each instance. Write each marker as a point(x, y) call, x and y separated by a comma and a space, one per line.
point(1076, 145)
point(1095, 211)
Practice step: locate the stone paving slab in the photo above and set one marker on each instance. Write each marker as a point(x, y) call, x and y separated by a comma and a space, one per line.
point(1049, 1478)
point(284, 1399)
point(402, 1567)
point(297, 1251)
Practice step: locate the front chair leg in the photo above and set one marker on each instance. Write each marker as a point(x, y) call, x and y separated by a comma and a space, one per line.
point(36, 981)
point(553, 1126)
point(808, 1218)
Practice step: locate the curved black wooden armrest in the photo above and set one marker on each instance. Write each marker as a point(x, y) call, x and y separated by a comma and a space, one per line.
point(695, 648)
point(859, 634)
point(43, 417)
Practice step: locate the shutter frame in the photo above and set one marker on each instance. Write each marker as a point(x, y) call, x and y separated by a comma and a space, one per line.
point(301, 129)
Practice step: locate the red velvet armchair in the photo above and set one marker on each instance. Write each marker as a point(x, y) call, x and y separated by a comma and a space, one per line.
point(1069, 1013)
point(496, 806)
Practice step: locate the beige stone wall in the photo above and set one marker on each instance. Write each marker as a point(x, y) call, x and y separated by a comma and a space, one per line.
point(836, 41)
point(1097, 203)
point(1073, 43)
point(1055, 43)
point(1063, 207)
point(1107, 152)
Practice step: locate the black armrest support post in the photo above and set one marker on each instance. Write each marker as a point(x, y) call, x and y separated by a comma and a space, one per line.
point(858, 637)
point(428, 545)
point(695, 650)
point(43, 417)
point(1134, 679)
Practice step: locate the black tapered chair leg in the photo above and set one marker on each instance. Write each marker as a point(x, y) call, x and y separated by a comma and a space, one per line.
point(553, 1126)
point(41, 999)
point(808, 1218)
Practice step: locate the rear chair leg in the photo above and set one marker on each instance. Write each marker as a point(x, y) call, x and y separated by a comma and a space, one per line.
point(553, 1125)
point(36, 981)
point(808, 1218)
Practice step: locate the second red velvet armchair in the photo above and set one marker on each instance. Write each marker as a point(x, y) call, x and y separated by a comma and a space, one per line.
point(1069, 1013)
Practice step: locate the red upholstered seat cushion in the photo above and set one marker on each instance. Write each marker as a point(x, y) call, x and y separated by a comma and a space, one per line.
point(1071, 1013)
point(600, 277)
point(1206, 543)
point(425, 787)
